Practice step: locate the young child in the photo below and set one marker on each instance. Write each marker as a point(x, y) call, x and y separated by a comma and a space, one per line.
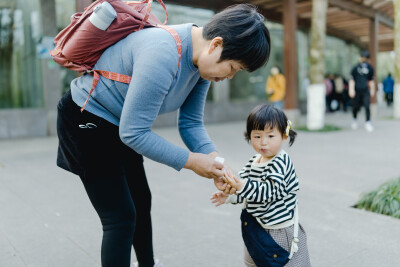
point(268, 186)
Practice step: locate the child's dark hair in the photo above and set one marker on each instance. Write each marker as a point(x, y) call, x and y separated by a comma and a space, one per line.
point(245, 37)
point(268, 116)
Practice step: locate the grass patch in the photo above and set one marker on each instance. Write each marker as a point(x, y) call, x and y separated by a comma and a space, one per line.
point(388, 118)
point(327, 128)
point(384, 200)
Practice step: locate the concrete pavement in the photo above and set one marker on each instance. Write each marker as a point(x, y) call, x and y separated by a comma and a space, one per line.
point(46, 218)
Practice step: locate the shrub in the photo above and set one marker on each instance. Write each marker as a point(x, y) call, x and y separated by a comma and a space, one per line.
point(384, 200)
point(326, 128)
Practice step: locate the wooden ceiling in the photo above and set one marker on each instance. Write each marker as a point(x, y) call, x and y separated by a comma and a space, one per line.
point(348, 20)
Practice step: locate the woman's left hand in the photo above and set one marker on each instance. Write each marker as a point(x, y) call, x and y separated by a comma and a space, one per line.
point(204, 165)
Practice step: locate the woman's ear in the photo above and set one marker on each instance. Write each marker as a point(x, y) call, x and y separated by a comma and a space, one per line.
point(215, 43)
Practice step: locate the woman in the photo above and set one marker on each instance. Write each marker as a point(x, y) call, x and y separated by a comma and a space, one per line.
point(105, 143)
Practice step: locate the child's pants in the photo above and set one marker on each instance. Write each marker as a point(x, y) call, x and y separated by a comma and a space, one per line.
point(284, 238)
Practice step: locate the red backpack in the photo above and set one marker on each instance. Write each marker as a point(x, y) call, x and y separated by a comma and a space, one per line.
point(80, 44)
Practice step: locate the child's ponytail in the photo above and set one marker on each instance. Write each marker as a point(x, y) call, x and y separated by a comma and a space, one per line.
point(289, 132)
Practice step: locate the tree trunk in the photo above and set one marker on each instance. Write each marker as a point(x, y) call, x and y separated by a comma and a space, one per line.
point(81, 4)
point(316, 90)
point(6, 52)
point(396, 95)
point(51, 72)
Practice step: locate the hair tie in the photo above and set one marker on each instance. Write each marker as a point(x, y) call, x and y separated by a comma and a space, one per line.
point(288, 127)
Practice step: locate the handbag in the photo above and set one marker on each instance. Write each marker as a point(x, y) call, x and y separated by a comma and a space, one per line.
point(262, 248)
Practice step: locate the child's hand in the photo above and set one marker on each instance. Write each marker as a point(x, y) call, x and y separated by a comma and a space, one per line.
point(221, 182)
point(219, 198)
point(232, 180)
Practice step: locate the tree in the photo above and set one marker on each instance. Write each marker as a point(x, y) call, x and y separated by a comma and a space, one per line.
point(316, 90)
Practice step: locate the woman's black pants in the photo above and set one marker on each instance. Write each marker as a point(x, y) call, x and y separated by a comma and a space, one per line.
point(114, 179)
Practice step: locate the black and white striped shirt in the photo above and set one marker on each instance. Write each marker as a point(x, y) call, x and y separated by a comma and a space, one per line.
point(270, 189)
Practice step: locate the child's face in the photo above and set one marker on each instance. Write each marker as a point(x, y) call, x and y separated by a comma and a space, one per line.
point(267, 142)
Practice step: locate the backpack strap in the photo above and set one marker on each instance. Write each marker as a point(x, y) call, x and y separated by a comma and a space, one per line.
point(148, 9)
point(176, 38)
point(294, 247)
point(109, 75)
point(125, 78)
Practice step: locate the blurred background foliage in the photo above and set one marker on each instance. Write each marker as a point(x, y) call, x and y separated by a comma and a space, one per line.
point(21, 77)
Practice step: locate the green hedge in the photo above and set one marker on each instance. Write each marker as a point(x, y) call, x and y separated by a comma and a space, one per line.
point(326, 128)
point(384, 200)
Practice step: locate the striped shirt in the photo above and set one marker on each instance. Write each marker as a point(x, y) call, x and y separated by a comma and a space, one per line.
point(270, 189)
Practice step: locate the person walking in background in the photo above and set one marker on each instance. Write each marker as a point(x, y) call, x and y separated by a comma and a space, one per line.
point(346, 96)
point(388, 84)
point(276, 87)
point(340, 92)
point(328, 92)
point(361, 89)
point(334, 97)
point(268, 187)
point(105, 144)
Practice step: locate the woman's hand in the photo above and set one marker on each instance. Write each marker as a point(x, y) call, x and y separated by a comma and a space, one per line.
point(204, 165)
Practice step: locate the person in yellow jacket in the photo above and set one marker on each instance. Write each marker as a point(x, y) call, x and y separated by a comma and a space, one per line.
point(276, 87)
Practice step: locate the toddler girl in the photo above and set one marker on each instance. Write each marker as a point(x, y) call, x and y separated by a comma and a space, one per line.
point(268, 186)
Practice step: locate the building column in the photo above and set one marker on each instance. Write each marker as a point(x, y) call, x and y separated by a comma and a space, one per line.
point(316, 91)
point(51, 71)
point(373, 50)
point(396, 94)
point(290, 59)
point(221, 91)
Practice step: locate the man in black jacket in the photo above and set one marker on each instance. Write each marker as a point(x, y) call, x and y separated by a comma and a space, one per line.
point(361, 89)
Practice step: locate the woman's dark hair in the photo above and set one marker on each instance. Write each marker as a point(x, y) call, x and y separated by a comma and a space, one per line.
point(244, 34)
point(268, 116)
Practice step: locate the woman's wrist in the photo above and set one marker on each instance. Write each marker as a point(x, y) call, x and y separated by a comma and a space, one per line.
point(213, 154)
point(191, 159)
point(189, 162)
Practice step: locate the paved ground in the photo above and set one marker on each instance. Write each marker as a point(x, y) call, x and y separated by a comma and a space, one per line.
point(46, 218)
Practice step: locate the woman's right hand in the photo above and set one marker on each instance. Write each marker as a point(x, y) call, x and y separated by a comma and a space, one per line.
point(204, 165)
